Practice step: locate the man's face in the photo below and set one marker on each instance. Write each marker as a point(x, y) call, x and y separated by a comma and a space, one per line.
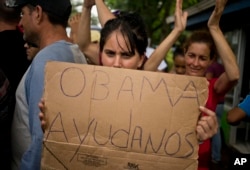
point(26, 23)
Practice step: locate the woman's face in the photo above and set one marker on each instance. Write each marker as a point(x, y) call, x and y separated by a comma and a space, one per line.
point(116, 53)
point(197, 58)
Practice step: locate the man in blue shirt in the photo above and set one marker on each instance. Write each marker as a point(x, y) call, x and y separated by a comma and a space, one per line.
point(44, 24)
point(240, 112)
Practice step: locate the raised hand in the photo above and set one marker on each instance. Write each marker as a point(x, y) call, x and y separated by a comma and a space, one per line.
point(88, 3)
point(214, 19)
point(180, 17)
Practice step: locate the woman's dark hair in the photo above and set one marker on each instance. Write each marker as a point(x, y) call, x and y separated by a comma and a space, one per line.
point(178, 52)
point(201, 36)
point(132, 27)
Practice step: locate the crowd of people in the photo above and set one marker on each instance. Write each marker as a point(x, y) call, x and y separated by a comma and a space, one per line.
point(40, 36)
point(13, 64)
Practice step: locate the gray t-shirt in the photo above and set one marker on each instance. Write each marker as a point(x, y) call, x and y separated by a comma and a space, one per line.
point(27, 135)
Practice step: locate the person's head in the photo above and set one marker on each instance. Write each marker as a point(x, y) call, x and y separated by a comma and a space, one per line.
point(7, 13)
point(35, 14)
point(31, 50)
point(179, 61)
point(199, 51)
point(95, 36)
point(123, 42)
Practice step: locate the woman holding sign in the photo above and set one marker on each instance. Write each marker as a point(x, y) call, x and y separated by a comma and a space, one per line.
point(123, 45)
point(134, 26)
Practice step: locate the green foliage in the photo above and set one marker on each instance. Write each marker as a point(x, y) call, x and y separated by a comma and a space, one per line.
point(154, 13)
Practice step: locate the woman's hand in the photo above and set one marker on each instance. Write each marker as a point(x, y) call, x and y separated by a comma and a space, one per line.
point(180, 17)
point(214, 20)
point(42, 117)
point(207, 125)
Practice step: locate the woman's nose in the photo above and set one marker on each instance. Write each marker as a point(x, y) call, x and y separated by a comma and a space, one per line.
point(117, 62)
point(196, 61)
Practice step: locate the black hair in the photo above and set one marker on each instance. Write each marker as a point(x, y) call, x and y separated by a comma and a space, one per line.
point(178, 52)
point(132, 27)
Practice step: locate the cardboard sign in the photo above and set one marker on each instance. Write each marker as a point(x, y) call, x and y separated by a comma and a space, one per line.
point(109, 118)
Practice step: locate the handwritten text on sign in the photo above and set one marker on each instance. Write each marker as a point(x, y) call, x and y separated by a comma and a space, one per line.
point(125, 110)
